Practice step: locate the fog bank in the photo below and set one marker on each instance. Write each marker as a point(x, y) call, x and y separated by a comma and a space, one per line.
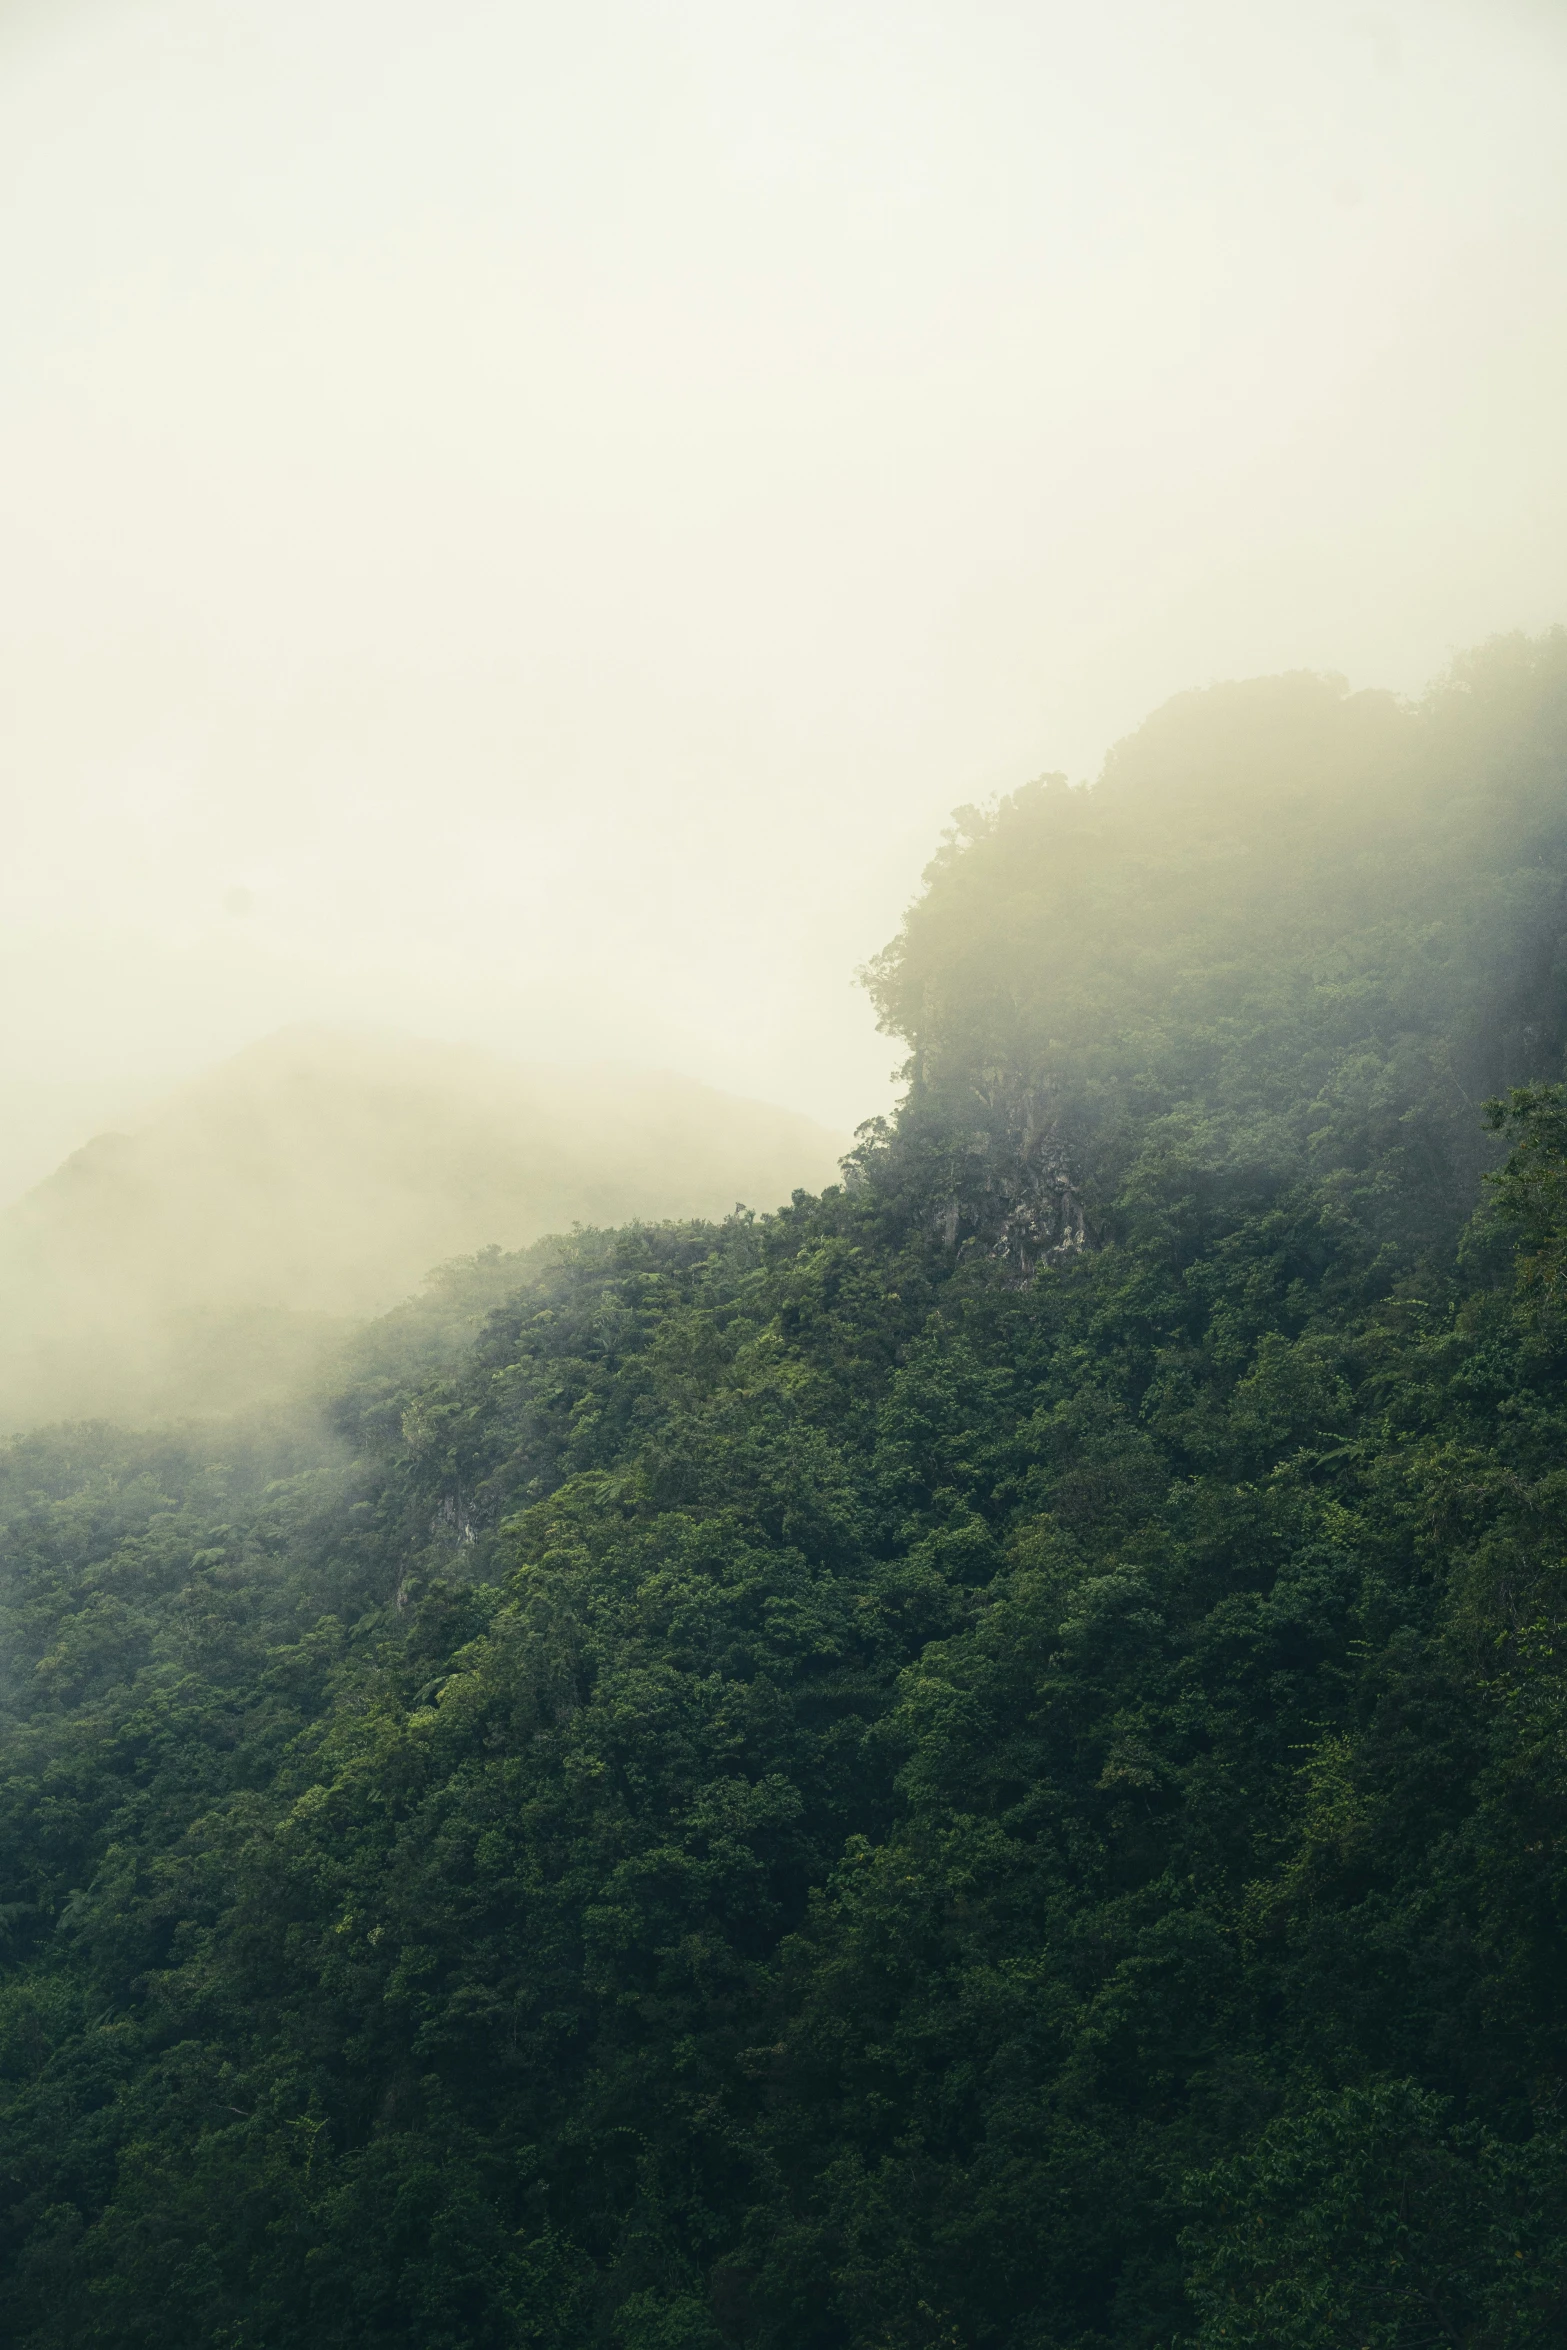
point(520, 522)
point(213, 1256)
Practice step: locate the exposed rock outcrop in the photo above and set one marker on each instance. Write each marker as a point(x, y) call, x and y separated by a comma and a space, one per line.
point(1015, 1194)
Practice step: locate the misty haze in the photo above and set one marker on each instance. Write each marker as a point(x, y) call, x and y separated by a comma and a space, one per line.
point(209, 1258)
point(783, 1175)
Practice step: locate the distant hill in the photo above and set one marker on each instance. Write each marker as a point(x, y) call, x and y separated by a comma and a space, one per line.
point(206, 1260)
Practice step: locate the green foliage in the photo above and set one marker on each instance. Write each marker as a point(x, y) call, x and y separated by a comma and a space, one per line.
point(980, 1762)
point(1366, 2217)
point(1530, 1192)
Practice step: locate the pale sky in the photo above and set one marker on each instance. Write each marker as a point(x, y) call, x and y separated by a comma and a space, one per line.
point(520, 521)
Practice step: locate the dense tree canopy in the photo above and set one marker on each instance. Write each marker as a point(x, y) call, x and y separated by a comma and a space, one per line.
point(978, 1762)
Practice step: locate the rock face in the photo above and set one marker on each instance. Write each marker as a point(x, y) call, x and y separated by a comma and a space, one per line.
point(1044, 1226)
point(1014, 1192)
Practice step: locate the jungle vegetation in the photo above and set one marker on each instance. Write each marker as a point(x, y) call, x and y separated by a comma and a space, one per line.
point(979, 1763)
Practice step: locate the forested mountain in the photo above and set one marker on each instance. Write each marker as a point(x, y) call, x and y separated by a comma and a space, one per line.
point(216, 1256)
point(975, 1762)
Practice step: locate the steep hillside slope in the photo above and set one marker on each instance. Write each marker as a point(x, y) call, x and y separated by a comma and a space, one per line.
point(207, 1259)
point(1294, 934)
point(976, 1764)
